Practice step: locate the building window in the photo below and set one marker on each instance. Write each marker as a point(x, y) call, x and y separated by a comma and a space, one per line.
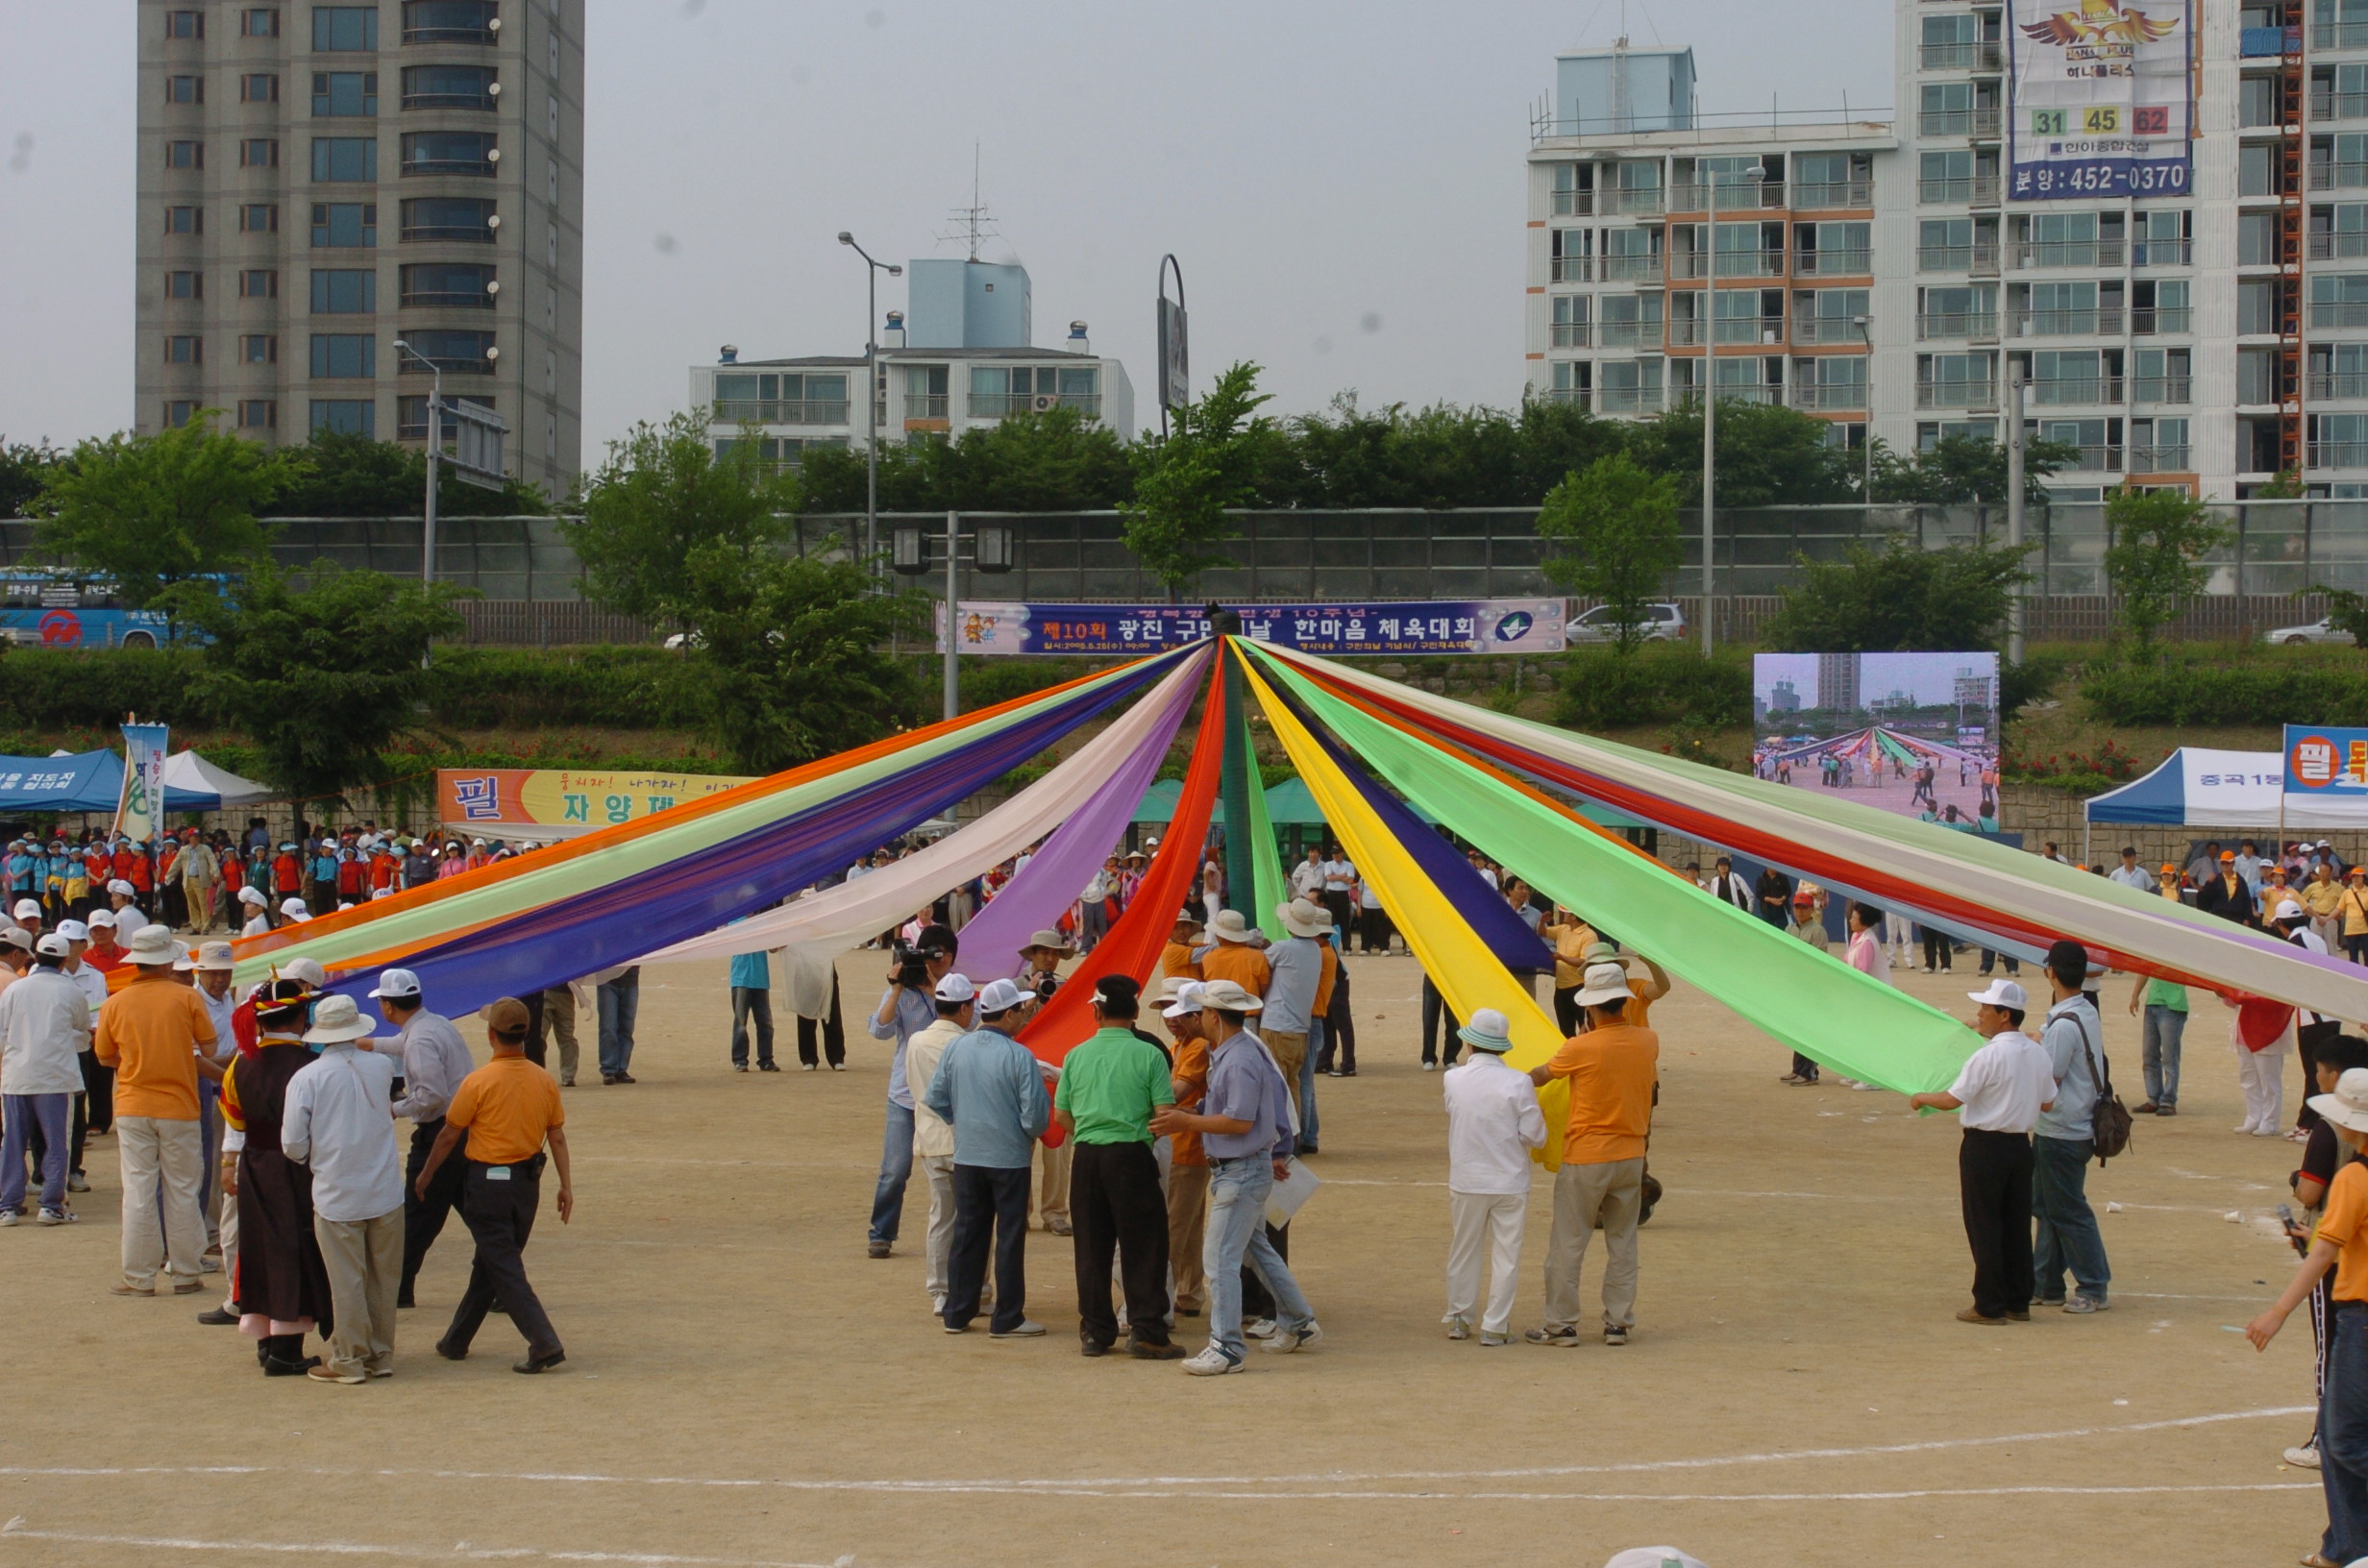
point(344, 224)
point(344, 355)
point(450, 352)
point(345, 29)
point(185, 285)
point(345, 416)
point(450, 86)
point(258, 414)
point(259, 218)
point(185, 24)
point(344, 291)
point(185, 155)
point(258, 87)
point(344, 94)
point(178, 412)
point(185, 220)
point(450, 217)
point(449, 152)
point(185, 89)
point(259, 284)
point(463, 285)
point(259, 348)
point(448, 21)
point(345, 159)
point(185, 350)
point(258, 152)
point(259, 22)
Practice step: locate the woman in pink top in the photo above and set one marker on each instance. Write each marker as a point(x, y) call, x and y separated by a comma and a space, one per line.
point(1866, 953)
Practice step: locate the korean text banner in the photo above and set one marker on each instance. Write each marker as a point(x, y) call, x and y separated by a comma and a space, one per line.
point(561, 802)
point(142, 814)
point(2100, 99)
point(2326, 776)
point(1419, 627)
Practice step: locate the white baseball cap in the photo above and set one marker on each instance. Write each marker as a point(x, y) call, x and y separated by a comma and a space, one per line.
point(27, 910)
point(51, 945)
point(2002, 992)
point(1187, 1001)
point(294, 908)
point(956, 987)
point(16, 935)
point(102, 916)
point(999, 997)
point(73, 930)
point(397, 985)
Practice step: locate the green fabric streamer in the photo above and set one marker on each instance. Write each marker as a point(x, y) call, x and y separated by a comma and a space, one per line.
point(1266, 859)
point(1806, 999)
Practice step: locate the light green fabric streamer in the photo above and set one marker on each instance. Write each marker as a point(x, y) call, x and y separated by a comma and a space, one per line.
point(1266, 860)
point(1806, 999)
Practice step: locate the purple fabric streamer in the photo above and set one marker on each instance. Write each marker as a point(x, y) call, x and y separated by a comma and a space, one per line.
point(1035, 899)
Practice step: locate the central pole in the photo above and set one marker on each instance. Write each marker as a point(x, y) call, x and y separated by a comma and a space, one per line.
point(435, 454)
point(1710, 485)
point(953, 659)
point(871, 414)
point(2014, 510)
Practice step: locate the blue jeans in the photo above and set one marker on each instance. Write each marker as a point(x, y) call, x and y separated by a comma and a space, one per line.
point(2067, 1236)
point(2343, 1435)
point(1307, 1084)
point(22, 1111)
point(2162, 1028)
point(619, 999)
point(896, 1169)
point(1238, 1191)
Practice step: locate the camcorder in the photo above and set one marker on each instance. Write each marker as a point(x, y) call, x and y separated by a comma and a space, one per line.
point(913, 967)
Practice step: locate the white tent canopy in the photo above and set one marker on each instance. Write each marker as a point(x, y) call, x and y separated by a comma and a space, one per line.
point(187, 773)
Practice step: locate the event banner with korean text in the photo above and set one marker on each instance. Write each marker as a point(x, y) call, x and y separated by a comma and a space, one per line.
point(2326, 776)
point(2100, 99)
point(544, 803)
point(1414, 627)
point(141, 814)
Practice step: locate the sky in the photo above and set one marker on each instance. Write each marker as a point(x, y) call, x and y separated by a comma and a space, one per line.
point(1342, 184)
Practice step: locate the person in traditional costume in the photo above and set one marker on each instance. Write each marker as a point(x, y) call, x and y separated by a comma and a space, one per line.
point(281, 1284)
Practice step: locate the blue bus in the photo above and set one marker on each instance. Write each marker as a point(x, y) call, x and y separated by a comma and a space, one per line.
point(68, 609)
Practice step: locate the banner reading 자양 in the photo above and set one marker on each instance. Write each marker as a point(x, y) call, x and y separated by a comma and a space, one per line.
point(1417, 627)
point(561, 802)
point(2101, 100)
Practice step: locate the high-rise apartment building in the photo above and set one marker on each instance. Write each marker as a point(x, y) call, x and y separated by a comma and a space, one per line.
point(2155, 212)
point(319, 181)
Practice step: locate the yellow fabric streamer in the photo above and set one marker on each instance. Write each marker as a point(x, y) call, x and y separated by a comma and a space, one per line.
point(1450, 951)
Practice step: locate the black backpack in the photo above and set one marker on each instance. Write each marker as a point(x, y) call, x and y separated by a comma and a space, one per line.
point(2108, 1119)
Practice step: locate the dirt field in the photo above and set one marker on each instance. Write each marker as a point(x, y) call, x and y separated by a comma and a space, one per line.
point(746, 1388)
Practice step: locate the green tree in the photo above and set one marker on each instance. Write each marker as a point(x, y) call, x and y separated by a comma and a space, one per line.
point(321, 680)
point(1769, 455)
point(1055, 461)
point(25, 468)
point(2347, 610)
point(1965, 469)
point(1621, 525)
point(790, 653)
point(663, 493)
point(1897, 599)
point(347, 474)
point(2155, 563)
point(156, 511)
point(1184, 484)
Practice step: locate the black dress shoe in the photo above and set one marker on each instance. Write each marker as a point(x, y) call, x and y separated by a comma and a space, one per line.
point(405, 1303)
point(216, 1317)
point(627, 1078)
point(538, 1363)
point(768, 1067)
point(449, 1354)
point(1092, 1347)
point(611, 1078)
point(279, 1366)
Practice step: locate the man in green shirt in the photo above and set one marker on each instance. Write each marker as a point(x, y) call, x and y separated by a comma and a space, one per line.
point(1110, 1084)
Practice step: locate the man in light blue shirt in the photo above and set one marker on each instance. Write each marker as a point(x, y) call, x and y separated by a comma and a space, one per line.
point(2131, 875)
point(752, 999)
point(904, 1012)
point(2067, 1236)
point(991, 1090)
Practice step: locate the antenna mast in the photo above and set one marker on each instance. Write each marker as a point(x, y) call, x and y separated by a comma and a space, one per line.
point(972, 223)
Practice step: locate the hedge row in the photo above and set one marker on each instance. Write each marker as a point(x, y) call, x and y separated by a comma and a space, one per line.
point(1659, 683)
point(2232, 686)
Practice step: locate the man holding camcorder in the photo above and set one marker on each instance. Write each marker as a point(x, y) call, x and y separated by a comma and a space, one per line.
point(907, 1008)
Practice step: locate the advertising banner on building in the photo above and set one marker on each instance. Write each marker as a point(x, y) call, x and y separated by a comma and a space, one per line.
point(1912, 733)
point(2101, 101)
point(1419, 627)
point(2326, 776)
point(560, 803)
point(141, 817)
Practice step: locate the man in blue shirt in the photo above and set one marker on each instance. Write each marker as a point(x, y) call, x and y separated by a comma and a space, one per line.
point(1244, 1121)
point(904, 1012)
point(752, 999)
point(2067, 1236)
point(991, 1090)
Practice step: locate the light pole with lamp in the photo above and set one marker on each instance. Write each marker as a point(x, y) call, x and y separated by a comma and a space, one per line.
point(871, 391)
point(991, 551)
point(435, 450)
point(1867, 390)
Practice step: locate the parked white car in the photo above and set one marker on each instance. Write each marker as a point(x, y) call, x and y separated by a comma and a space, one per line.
point(2321, 630)
point(1663, 623)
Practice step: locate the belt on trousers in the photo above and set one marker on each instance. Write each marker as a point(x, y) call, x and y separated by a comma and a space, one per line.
point(531, 1168)
point(2352, 1306)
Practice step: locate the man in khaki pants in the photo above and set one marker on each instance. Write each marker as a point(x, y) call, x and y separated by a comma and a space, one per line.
point(1612, 1065)
point(151, 1032)
point(337, 1121)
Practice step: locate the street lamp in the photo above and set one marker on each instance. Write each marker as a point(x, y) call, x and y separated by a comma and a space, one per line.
point(992, 551)
point(871, 391)
point(1867, 389)
point(435, 450)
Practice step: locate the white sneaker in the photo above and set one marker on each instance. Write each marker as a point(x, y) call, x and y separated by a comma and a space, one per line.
point(1211, 1362)
point(1459, 1327)
point(1258, 1328)
point(1488, 1339)
point(7, 1218)
point(2242, 1127)
point(937, 1305)
point(2303, 1458)
point(1028, 1328)
point(1430, 1066)
point(58, 1216)
point(1288, 1340)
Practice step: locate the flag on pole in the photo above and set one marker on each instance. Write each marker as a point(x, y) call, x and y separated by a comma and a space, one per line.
point(140, 816)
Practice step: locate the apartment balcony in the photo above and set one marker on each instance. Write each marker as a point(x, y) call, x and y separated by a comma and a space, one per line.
point(1841, 396)
point(2338, 245)
point(1570, 269)
point(1628, 400)
point(467, 233)
point(1835, 264)
point(2104, 459)
point(1631, 203)
point(1980, 122)
point(1974, 326)
point(2330, 384)
point(1632, 269)
point(1568, 397)
point(453, 24)
point(1766, 329)
point(2065, 253)
point(1728, 195)
point(2338, 454)
point(2268, 42)
point(1973, 396)
point(924, 406)
point(2105, 320)
point(1630, 334)
point(997, 405)
point(2339, 176)
point(2338, 106)
point(1973, 190)
point(2161, 459)
point(2161, 252)
point(2339, 35)
point(1980, 258)
point(2160, 389)
point(2338, 313)
point(780, 411)
point(1687, 332)
point(447, 299)
point(1569, 334)
point(1574, 204)
point(1830, 195)
point(2156, 321)
point(2076, 391)
point(1765, 263)
point(1689, 264)
point(1826, 330)
point(1981, 55)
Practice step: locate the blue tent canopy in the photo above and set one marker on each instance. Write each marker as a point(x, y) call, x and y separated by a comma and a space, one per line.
point(92, 781)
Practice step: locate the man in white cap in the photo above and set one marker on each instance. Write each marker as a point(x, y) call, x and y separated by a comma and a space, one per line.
point(156, 1034)
point(1233, 953)
point(336, 1123)
point(957, 1014)
point(1999, 1093)
point(1244, 1125)
point(1040, 978)
point(1294, 970)
point(44, 1026)
point(1188, 1162)
point(992, 1091)
point(28, 914)
point(91, 954)
point(432, 1060)
point(1493, 1121)
point(123, 900)
point(1613, 1065)
point(294, 911)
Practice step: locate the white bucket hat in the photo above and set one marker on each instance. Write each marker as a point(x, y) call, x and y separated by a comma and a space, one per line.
point(151, 943)
point(1490, 1030)
point(337, 1019)
point(1226, 996)
point(2348, 1104)
point(1303, 918)
point(1050, 938)
point(1229, 926)
point(1603, 983)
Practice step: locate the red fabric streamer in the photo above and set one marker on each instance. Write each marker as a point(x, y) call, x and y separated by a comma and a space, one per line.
point(1135, 943)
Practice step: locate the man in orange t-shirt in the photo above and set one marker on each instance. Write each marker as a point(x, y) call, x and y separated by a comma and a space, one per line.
point(1232, 954)
point(151, 1032)
point(1611, 1065)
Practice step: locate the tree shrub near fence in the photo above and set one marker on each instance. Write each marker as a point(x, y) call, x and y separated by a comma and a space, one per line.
point(2231, 686)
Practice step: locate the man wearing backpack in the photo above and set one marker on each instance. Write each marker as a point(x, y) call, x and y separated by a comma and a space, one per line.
point(2067, 1236)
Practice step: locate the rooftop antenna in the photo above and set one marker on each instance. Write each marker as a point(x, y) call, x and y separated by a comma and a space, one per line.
point(972, 223)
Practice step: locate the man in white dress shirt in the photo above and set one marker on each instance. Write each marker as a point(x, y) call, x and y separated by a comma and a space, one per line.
point(1999, 1093)
point(336, 1121)
point(1493, 1124)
